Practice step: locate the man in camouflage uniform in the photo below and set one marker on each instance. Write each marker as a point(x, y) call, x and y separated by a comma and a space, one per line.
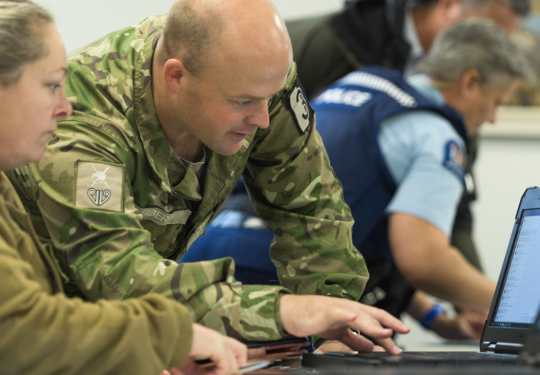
point(157, 140)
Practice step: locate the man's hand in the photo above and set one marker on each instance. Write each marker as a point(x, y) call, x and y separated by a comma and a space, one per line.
point(227, 354)
point(468, 325)
point(336, 346)
point(333, 319)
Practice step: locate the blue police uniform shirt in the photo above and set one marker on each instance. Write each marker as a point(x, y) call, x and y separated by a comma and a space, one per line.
point(413, 146)
point(350, 116)
point(396, 148)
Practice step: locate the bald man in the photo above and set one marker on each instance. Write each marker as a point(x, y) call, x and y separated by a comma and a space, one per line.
point(167, 115)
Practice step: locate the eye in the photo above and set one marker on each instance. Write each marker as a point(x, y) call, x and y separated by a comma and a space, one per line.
point(244, 103)
point(54, 87)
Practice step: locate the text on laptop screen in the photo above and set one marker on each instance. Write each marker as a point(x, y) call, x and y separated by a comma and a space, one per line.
point(520, 295)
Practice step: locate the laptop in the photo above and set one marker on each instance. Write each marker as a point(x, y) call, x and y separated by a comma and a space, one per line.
point(530, 354)
point(528, 364)
point(514, 308)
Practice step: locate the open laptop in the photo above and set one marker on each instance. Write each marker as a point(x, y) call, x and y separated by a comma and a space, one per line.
point(514, 308)
point(528, 364)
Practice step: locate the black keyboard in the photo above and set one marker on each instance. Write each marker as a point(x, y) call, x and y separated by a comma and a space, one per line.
point(407, 359)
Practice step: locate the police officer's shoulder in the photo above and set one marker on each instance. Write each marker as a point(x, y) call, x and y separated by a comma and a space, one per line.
point(423, 123)
point(434, 136)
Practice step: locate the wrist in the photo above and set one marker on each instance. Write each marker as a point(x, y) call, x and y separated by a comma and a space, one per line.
point(284, 314)
point(432, 315)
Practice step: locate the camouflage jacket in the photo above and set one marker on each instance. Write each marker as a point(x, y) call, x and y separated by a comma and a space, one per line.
point(119, 208)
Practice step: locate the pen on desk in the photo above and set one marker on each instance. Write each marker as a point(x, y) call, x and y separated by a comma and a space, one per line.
point(253, 366)
point(208, 365)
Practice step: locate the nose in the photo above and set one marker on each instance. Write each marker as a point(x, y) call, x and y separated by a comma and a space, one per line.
point(492, 117)
point(259, 117)
point(63, 109)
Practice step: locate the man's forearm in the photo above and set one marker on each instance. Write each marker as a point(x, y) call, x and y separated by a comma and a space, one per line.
point(449, 276)
point(426, 259)
point(420, 304)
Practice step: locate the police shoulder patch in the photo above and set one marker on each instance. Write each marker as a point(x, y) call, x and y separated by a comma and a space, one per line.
point(100, 186)
point(455, 159)
point(299, 106)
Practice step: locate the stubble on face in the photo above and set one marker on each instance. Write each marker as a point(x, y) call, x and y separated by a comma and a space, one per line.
point(249, 63)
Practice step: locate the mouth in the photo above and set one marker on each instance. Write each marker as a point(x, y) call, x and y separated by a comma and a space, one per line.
point(48, 134)
point(240, 135)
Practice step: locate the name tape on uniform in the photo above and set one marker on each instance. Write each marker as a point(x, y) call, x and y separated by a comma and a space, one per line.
point(160, 217)
point(99, 186)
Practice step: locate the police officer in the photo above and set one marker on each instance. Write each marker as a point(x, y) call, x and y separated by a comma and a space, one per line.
point(398, 149)
point(395, 34)
point(165, 121)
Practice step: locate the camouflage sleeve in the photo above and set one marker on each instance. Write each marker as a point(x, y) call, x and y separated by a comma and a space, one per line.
point(294, 189)
point(108, 254)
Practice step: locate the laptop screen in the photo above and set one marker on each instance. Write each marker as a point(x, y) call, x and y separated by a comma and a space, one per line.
point(519, 300)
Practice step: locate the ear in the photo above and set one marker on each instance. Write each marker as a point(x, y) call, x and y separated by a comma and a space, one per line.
point(449, 11)
point(469, 83)
point(174, 73)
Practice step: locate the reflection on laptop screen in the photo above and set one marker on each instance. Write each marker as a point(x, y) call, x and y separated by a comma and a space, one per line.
point(520, 297)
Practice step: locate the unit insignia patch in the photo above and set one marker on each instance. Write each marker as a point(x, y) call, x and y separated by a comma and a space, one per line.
point(299, 106)
point(100, 186)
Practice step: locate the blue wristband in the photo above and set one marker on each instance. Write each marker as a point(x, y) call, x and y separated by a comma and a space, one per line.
point(432, 315)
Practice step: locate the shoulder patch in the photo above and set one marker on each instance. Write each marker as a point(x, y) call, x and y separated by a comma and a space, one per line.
point(299, 106)
point(100, 186)
point(455, 159)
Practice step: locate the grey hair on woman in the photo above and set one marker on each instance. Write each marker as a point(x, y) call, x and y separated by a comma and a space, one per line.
point(21, 40)
point(475, 44)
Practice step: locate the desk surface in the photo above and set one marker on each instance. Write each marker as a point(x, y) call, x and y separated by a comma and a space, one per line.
point(447, 346)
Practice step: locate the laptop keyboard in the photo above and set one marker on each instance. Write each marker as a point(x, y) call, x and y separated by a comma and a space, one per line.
point(459, 355)
point(428, 358)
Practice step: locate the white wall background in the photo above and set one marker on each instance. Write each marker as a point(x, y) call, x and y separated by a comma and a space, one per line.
point(504, 169)
point(82, 21)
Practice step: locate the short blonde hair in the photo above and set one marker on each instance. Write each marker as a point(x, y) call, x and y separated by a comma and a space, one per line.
point(189, 33)
point(21, 41)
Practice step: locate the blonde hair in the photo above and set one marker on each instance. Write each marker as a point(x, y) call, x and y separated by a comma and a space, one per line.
point(189, 32)
point(21, 42)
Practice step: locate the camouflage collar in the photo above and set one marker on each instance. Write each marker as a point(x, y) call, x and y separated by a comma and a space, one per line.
point(157, 148)
point(155, 144)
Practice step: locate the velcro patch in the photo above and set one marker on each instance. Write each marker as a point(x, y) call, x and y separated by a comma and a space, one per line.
point(299, 106)
point(100, 186)
point(455, 159)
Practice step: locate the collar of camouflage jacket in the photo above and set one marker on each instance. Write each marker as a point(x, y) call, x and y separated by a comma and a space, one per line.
point(158, 151)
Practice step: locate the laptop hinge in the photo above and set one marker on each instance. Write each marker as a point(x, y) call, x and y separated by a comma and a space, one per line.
point(501, 347)
point(487, 346)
